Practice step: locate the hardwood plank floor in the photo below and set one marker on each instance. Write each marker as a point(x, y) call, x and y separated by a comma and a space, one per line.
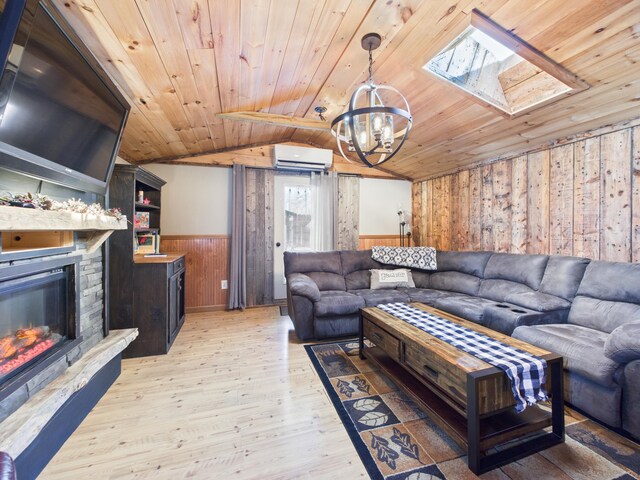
point(236, 397)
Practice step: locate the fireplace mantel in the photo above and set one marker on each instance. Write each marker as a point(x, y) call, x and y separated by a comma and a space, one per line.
point(39, 224)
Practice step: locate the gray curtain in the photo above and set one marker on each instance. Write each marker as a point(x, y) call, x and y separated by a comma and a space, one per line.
point(325, 187)
point(237, 269)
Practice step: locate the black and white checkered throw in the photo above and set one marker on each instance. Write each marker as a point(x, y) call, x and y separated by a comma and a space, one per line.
point(526, 371)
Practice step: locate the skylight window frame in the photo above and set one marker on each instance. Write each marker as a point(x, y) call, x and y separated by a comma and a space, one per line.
point(484, 24)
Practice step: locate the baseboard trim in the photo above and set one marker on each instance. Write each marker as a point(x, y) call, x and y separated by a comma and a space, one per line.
point(206, 308)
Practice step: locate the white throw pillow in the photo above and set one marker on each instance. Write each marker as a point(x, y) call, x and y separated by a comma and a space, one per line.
point(391, 278)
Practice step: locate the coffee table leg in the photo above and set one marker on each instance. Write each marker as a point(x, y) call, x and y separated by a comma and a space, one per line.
point(557, 398)
point(473, 425)
point(361, 338)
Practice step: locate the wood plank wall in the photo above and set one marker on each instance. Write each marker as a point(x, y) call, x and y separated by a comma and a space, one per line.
point(259, 185)
point(207, 264)
point(580, 198)
point(348, 211)
point(365, 242)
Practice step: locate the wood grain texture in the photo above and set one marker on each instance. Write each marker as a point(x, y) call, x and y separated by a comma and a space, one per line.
point(635, 227)
point(207, 264)
point(365, 242)
point(206, 411)
point(615, 201)
point(181, 62)
point(21, 428)
point(538, 206)
point(259, 185)
point(486, 205)
point(581, 198)
point(348, 213)
point(561, 200)
point(519, 204)
point(586, 201)
point(417, 233)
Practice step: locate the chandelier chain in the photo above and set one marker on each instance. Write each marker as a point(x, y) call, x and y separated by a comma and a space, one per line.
point(370, 66)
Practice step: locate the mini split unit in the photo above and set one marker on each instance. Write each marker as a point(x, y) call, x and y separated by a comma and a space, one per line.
point(290, 157)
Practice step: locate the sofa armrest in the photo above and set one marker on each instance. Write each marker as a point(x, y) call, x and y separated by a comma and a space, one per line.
point(623, 344)
point(301, 285)
point(7, 467)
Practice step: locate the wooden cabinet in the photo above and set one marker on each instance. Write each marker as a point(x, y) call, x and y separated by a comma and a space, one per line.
point(144, 292)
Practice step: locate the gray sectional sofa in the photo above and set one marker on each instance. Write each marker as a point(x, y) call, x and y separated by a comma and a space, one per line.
point(587, 311)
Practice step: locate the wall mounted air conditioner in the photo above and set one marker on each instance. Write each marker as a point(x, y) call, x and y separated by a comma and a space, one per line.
point(301, 158)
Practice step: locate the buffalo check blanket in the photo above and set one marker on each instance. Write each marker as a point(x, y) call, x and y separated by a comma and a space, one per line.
point(525, 371)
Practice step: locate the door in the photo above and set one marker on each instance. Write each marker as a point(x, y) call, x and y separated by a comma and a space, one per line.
point(293, 225)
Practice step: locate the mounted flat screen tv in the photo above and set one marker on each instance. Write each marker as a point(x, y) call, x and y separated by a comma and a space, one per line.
point(61, 118)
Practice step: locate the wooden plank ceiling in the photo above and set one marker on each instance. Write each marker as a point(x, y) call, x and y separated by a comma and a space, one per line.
point(180, 62)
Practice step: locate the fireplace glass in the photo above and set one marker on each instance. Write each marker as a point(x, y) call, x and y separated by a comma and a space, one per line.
point(35, 314)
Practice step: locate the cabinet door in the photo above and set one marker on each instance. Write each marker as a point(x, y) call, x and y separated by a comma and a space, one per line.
point(174, 295)
point(176, 303)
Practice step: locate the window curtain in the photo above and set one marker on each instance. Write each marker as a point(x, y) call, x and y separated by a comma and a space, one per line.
point(348, 213)
point(238, 270)
point(325, 188)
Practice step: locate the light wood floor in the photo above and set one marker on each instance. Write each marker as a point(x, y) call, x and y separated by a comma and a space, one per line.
point(236, 397)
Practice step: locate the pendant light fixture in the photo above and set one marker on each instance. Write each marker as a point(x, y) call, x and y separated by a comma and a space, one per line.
point(368, 128)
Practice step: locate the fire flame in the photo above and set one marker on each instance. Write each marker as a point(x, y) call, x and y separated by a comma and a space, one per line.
point(24, 345)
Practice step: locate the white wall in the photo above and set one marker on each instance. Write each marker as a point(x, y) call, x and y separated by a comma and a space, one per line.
point(195, 200)
point(380, 201)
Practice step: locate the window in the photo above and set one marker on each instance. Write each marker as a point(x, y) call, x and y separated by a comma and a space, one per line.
point(500, 70)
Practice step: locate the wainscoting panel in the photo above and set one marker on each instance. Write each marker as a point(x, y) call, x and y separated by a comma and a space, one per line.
point(581, 198)
point(367, 241)
point(207, 259)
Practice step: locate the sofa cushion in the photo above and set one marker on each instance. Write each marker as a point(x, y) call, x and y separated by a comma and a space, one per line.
point(327, 281)
point(324, 268)
point(526, 269)
point(356, 266)
point(421, 279)
point(472, 263)
point(540, 302)
point(400, 277)
point(499, 290)
point(455, 282)
point(337, 303)
point(615, 281)
point(563, 275)
point(603, 315)
point(582, 349)
point(465, 306)
point(427, 296)
point(376, 297)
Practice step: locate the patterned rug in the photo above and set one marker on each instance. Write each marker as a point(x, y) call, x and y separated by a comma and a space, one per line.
point(396, 441)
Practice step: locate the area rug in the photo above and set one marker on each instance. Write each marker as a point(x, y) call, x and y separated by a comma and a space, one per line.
point(396, 441)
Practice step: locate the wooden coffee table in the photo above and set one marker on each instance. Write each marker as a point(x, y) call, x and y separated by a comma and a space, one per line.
point(467, 397)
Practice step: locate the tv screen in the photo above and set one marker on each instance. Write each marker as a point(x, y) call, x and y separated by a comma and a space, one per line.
point(59, 119)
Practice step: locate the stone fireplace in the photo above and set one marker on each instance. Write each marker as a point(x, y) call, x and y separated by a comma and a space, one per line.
point(57, 356)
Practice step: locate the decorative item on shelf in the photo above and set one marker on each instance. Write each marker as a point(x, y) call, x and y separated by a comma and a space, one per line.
point(141, 220)
point(146, 243)
point(146, 201)
point(140, 196)
point(43, 202)
point(374, 131)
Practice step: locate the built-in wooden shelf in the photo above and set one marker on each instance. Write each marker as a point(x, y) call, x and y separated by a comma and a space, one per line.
point(30, 230)
point(146, 206)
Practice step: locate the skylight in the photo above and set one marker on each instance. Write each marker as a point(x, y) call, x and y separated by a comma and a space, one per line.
point(500, 70)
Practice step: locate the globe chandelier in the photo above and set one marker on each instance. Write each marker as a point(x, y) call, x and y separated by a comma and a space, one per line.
point(370, 129)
